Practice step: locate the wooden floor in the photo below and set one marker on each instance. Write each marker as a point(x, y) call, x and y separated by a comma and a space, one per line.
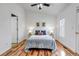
point(19, 51)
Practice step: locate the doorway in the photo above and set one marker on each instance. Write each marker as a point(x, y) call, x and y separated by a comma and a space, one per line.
point(14, 29)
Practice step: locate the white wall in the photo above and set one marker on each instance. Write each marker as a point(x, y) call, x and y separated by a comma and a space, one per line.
point(5, 24)
point(26, 20)
point(33, 17)
point(69, 15)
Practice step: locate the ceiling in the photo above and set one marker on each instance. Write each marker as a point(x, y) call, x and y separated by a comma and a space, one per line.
point(54, 9)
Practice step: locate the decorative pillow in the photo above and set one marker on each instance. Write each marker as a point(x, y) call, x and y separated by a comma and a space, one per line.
point(43, 32)
point(37, 32)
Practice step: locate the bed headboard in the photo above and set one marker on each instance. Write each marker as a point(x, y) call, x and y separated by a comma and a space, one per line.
point(41, 29)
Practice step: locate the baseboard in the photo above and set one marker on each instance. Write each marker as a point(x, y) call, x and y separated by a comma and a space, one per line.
point(6, 52)
point(70, 50)
point(9, 50)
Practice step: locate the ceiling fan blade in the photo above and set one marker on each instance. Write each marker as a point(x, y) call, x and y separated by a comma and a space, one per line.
point(45, 4)
point(34, 4)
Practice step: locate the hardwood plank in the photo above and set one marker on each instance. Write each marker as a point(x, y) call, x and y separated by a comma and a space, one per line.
point(49, 53)
point(41, 53)
point(30, 53)
point(34, 53)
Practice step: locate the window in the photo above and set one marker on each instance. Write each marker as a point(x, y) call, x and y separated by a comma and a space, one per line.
point(62, 27)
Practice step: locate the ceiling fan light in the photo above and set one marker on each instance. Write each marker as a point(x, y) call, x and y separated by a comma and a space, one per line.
point(41, 5)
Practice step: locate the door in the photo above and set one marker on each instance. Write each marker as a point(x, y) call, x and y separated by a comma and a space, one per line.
point(14, 31)
point(77, 32)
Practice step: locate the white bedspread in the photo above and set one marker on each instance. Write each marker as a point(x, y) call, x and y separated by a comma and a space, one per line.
point(41, 41)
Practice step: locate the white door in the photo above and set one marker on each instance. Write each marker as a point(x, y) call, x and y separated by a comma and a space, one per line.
point(14, 29)
point(77, 32)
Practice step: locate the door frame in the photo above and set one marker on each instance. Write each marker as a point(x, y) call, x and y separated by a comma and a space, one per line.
point(13, 15)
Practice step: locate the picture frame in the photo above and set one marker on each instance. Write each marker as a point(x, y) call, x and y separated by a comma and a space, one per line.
point(43, 24)
point(37, 24)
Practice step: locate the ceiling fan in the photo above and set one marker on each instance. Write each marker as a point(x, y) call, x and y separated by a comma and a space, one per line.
point(40, 5)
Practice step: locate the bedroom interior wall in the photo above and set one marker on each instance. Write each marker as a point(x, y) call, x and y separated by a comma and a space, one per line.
point(33, 17)
point(5, 25)
point(69, 15)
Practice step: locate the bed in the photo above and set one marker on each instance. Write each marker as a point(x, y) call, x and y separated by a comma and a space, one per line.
point(40, 41)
